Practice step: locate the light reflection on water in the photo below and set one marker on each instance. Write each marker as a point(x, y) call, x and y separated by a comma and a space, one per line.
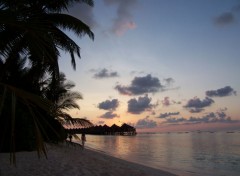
point(188, 154)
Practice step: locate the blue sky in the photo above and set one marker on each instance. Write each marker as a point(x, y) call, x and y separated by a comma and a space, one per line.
point(159, 64)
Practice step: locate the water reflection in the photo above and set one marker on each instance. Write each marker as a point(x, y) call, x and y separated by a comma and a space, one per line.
point(190, 153)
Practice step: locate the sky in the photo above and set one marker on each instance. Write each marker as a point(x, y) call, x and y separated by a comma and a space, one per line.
point(159, 65)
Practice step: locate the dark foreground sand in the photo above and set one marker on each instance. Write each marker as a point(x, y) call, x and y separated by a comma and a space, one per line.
point(68, 160)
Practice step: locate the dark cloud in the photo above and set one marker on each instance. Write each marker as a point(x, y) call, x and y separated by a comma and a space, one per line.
point(104, 73)
point(100, 122)
point(169, 81)
point(224, 19)
point(222, 113)
point(167, 102)
point(146, 123)
point(217, 117)
point(124, 20)
point(227, 18)
point(196, 110)
point(175, 120)
point(196, 105)
point(211, 117)
point(109, 104)
point(137, 106)
point(109, 115)
point(222, 92)
point(236, 8)
point(141, 85)
point(169, 114)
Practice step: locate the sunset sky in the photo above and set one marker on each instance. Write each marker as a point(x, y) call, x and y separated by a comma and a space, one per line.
point(159, 65)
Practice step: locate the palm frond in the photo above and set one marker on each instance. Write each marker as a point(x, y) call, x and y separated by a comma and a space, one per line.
point(2, 99)
point(83, 122)
point(32, 101)
point(31, 98)
point(68, 100)
point(59, 5)
point(12, 145)
point(67, 44)
point(68, 22)
point(39, 138)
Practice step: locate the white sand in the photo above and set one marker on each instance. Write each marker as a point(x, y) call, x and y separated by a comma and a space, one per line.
point(64, 160)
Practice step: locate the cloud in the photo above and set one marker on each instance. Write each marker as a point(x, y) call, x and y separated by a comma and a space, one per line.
point(137, 106)
point(104, 73)
point(100, 122)
point(221, 114)
point(109, 104)
point(196, 110)
point(175, 120)
point(122, 26)
point(169, 81)
point(227, 18)
point(169, 114)
point(196, 105)
point(109, 115)
point(146, 123)
point(222, 92)
point(212, 117)
point(123, 22)
point(176, 102)
point(217, 117)
point(134, 72)
point(236, 8)
point(166, 101)
point(141, 85)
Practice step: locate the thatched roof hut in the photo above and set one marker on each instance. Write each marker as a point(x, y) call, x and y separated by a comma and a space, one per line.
point(125, 129)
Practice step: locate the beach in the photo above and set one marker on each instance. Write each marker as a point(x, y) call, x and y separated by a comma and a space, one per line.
point(71, 160)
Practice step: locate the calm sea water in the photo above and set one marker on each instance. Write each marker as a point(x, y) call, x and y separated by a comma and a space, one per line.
point(186, 154)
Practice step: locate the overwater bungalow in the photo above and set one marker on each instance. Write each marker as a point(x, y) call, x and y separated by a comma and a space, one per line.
point(125, 130)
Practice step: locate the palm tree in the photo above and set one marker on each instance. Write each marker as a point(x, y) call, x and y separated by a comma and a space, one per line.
point(35, 124)
point(64, 99)
point(34, 30)
point(24, 116)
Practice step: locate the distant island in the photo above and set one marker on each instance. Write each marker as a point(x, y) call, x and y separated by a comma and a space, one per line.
point(124, 130)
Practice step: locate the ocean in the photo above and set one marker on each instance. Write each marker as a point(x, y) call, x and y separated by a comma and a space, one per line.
point(185, 154)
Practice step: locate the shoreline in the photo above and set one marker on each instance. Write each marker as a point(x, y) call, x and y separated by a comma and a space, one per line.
point(72, 160)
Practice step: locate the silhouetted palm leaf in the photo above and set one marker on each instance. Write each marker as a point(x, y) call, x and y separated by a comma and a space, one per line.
point(64, 99)
point(33, 102)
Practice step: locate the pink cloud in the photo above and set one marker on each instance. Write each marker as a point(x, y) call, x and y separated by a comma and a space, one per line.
point(166, 101)
point(124, 20)
point(121, 27)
